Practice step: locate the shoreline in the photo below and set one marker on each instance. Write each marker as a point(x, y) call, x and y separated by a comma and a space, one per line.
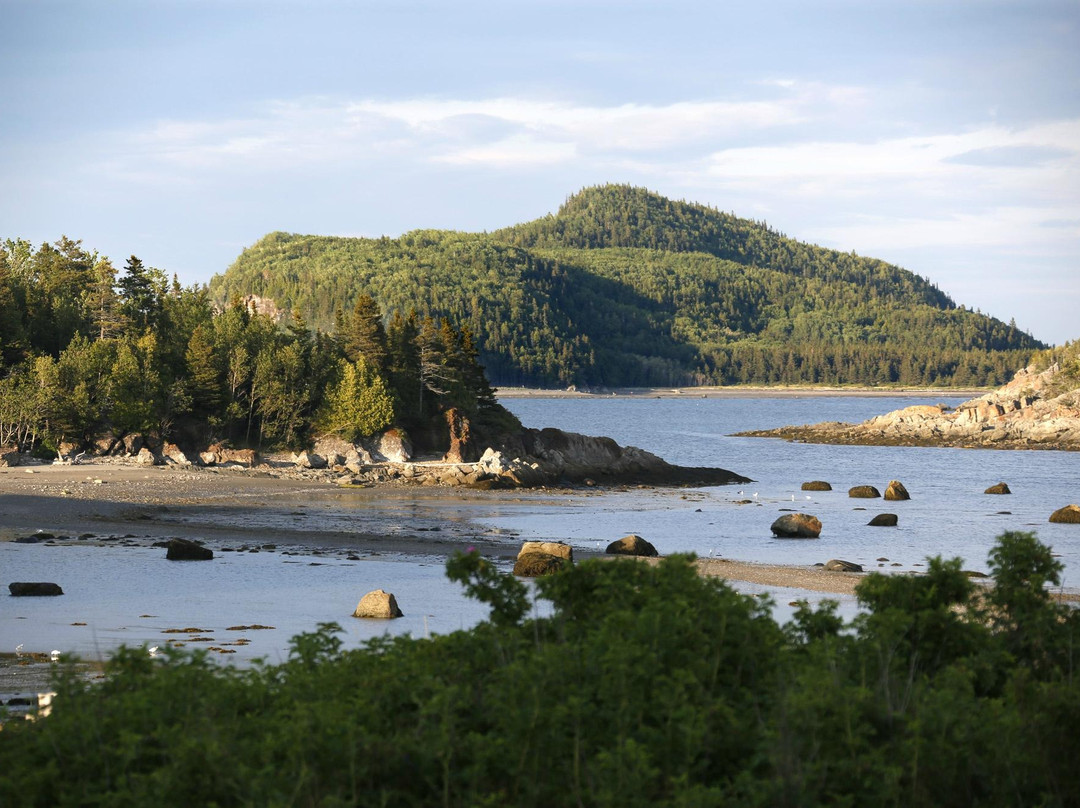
point(740, 391)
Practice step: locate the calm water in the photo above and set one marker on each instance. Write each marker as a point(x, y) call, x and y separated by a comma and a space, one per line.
point(947, 515)
point(129, 595)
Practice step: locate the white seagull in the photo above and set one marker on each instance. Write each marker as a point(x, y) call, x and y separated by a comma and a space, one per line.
point(18, 650)
point(153, 651)
point(55, 655)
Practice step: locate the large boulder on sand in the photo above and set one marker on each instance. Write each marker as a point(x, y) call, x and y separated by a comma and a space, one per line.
point(147, 458)
point(25, 589)
point(999, 488)
point(884, 520)
point(797, 526)
point(378, 604)
point(838, 565)
point(816, 485)
point(9, 456)
point(532, 565)
point(632, 545)
point(864, 492)
point(556, 548)
point(186, 550)
point(896, 491)
point(1069, 515)
point(395, 446)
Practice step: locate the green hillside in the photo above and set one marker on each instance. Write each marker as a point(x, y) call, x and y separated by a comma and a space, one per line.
point(623, 287)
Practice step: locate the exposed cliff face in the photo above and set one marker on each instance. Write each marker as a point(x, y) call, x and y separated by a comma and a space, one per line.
point(1036, 410)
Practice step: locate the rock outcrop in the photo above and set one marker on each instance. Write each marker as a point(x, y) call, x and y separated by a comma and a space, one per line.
point(1036, 410)
point(816, 485)
point(797, 526)
point(999, 488)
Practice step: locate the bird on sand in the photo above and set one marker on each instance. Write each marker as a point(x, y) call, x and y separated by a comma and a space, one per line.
point(55, 655)
point(18, 650)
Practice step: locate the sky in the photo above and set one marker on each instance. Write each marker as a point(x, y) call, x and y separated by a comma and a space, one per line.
point(941, 136)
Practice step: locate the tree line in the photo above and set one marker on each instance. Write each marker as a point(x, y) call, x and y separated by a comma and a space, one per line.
point(625, 288)
point(89, 353)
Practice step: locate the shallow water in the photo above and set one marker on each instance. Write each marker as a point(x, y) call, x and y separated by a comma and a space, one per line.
point(110, 588)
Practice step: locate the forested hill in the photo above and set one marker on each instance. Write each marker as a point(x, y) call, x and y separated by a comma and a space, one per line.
point(623, 287)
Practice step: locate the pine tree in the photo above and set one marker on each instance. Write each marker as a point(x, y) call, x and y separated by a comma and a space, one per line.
point(364, 334)
point(359, 404)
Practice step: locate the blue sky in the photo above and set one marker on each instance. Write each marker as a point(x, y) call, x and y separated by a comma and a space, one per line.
point(942, 136)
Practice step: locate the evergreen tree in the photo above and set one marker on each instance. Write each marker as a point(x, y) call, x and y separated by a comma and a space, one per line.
point(359, 404)
point(364, 334)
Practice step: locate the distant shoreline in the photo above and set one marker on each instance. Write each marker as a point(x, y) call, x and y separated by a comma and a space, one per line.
point(742, 392)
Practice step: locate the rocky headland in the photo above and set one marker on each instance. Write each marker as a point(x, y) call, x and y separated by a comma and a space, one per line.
point(1036, 410)
point(530, 458)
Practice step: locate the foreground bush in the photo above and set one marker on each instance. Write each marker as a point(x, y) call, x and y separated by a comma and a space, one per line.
point(646, 686)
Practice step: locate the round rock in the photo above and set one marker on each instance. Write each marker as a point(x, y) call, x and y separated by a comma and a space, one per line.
point(378, 604)
point(797, 526)
point(816, 485)
point(186, 550)
point(864, 492)
point(1000, 488)
point(632, 545)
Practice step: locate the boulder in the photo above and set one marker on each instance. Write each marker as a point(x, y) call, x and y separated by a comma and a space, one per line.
point(816, 485)
point(837, 565)
point(173, 454)
point(26, 589)
point(242, 457)
point(999, 488)
point(378, 604)
point(532, 565)
point(797, 526)
point(1069, 515)
point(863, 492)
point(336, 450)
point(896, 491)
point(553, 548)
point(208, 458)
point(146, 458)
point(133, 444)
point(9, 456)
point(395, 446)
point(186, 550)
point(632, 545)
point(309, 460)
point(884, 520)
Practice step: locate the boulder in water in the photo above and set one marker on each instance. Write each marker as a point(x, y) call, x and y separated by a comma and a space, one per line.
point(884, 520)
point(896, 492)
point(838, 565)
point(187, 550)
point(863, 492)
point(1069, 515)
point(26, 589)
point(378, 604)
point(999, 488)
point(816, 485)
point(797, 526)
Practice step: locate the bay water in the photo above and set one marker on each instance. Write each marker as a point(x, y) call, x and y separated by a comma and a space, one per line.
point(132, 596)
